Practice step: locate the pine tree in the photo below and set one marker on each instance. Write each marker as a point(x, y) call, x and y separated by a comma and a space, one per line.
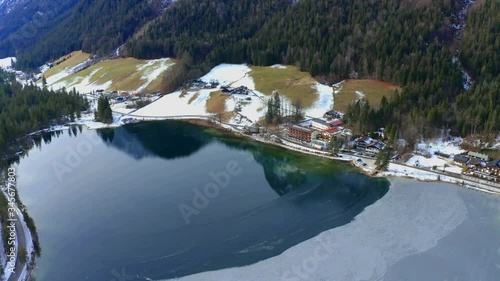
point(277, 114)
point(104, 113)
point(270, 111)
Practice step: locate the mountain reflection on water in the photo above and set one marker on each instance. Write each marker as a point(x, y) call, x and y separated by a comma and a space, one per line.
point(141, 175)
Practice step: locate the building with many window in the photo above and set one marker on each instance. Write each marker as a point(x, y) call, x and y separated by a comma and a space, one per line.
point(479, 156)
point(299, 132)
point(320, 124)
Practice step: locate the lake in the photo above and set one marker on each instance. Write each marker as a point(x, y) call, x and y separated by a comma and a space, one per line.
point(160, 200)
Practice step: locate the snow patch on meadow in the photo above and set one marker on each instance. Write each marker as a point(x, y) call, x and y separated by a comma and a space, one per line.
point(279, 66)
point(154, 68)
point(227, 73)
point(82, 85)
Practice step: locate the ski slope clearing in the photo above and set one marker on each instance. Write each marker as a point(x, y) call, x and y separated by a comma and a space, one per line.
point(122, 74)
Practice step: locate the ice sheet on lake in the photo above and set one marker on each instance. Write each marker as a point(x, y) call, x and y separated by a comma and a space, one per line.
point(408, 220)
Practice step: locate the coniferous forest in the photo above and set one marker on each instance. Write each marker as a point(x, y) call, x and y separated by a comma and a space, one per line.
point(96, 27)
point(409, 43)
point(26, 109)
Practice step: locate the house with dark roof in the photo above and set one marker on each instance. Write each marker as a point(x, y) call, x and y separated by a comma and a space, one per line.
point(493, 167)
point(475, 163)
point(375, 146)
point(461, 159)
point(362, 143)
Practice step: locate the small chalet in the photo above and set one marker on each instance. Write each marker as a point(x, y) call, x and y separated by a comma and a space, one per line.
point(333, 114)
point(475, 163)
point(369, 144)
point(227, 89)
point(299, 132)
point(461, 159)
point(363, 142)
point(375, 146)
point(493, 167)
point(329, 133)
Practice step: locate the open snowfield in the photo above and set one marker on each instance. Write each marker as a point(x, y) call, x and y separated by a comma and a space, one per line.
point(428, 158)
point(174, 105)
point(194, 102)
point(409, 220)
point(6, 63)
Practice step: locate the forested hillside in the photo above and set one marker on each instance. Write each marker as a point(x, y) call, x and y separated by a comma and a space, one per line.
point(204, 33)
point(401, 41)
point(94, 26)
point(478, 111)
point(22, 21)
point(27, 109)
point(23, 17)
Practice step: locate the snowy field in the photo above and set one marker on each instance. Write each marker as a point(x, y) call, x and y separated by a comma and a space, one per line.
point(235, 75)
point(6, 63)
point(410, 219)
point(428, 159)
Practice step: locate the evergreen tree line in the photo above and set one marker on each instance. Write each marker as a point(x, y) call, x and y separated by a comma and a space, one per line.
point(26, 109)
point(278, 110)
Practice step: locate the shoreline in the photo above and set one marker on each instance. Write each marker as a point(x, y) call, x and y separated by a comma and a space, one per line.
point(421, 176)
point(208, 122)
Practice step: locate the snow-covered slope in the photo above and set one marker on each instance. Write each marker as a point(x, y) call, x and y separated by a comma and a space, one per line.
point(6, 6)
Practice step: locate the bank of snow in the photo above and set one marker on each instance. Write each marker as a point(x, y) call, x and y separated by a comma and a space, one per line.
point(6, 63)
point(426, 154)
point(324, 102)
point(410, 219)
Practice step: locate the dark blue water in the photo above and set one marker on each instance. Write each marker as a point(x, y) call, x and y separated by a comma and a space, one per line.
point(165, 199)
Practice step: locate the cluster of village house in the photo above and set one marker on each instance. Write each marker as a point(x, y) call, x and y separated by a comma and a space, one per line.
point(318, 132)
point(123, 96)
point(225, 89)
point(199, 84)
point(479, 165)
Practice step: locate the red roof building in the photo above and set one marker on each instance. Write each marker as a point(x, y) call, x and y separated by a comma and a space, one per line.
point(299, 132)
point(337, 123)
